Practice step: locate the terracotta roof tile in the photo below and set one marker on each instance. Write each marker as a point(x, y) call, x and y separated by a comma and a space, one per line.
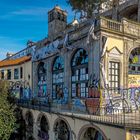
point(13, 62)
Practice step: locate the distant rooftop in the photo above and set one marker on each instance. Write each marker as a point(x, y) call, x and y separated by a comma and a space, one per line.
point(13, 62)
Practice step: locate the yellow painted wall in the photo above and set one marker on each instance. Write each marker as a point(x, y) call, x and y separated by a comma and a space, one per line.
point(133, 81)
point(113, 42)
point(133, 135)
point(27, 70)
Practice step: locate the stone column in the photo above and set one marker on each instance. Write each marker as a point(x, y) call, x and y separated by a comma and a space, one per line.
point(138, 10)
point(125, 65)
point(34, 78)
point(35, 131)
point(49, 76)
point(67, 73)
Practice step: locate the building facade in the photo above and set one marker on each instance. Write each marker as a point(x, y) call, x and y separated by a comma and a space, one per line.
point(86, 78)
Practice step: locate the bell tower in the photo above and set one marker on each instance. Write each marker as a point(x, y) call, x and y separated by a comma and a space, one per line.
point(57, 21)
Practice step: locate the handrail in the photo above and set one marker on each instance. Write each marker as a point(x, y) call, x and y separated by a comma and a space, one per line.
point(114, 116)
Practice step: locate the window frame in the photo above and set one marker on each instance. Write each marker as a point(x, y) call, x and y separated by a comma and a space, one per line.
point(16, 76)
point(42, 85)
point(82, 76)
point(114, 76)
point(56, 72)
point(21, 72)
point(2, 75)
point(9, 70)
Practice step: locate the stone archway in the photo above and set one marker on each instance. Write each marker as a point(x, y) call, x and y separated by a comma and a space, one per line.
point(43, 125)
point(29, 120)
point(61, 130)
point(90, 132)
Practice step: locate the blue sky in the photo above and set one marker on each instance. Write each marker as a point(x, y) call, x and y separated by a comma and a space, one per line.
point(23, 20)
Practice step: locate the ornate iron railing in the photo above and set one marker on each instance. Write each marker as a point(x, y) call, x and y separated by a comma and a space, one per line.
point(106, 115)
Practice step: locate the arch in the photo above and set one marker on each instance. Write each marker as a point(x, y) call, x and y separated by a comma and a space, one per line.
point(39, 119)
point(134, 61)
point(129, 11)
point(41, 74)
point(62, 129)
point(91, 131)
point(80, 53)
point(79, 77)
point(58, 78)
point(29, 118)
point(43, 124)
point(58, 63)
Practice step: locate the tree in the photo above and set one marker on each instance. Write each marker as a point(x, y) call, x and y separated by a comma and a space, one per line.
point(7, 118)
point(89, 6)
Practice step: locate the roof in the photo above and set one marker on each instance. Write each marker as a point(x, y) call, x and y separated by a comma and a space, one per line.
point(12, 62)
point(58, 9)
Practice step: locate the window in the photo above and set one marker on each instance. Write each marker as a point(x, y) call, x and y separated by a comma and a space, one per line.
point(21, 72)
point(9, 74)
point(134, 61)
point(58, 74)
point(80, 74)
point(59, 15)
point(51, 17)
point(42, 85)
point(16, 73)
point(2, 74)
point(114, 78)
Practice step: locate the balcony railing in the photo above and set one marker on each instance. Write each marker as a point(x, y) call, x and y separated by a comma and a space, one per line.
point(126, 27)
point(110, 24)
point(107, 115)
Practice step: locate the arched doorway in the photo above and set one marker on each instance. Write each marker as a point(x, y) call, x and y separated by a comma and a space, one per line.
point(79, 78)
point(61, 130)
point(43, 132)
point(91, 133)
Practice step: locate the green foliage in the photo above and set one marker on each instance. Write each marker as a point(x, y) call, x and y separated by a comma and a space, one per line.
point(7, 118)
point(85, 5)
point(89, 5)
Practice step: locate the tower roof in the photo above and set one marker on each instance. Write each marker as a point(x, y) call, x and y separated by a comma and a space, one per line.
point(58, 9)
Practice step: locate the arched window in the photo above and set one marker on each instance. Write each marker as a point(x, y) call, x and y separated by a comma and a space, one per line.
point(42, 86)
point(61, 131)
point(134, 61)
point(58, 74)
point(79, 66)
